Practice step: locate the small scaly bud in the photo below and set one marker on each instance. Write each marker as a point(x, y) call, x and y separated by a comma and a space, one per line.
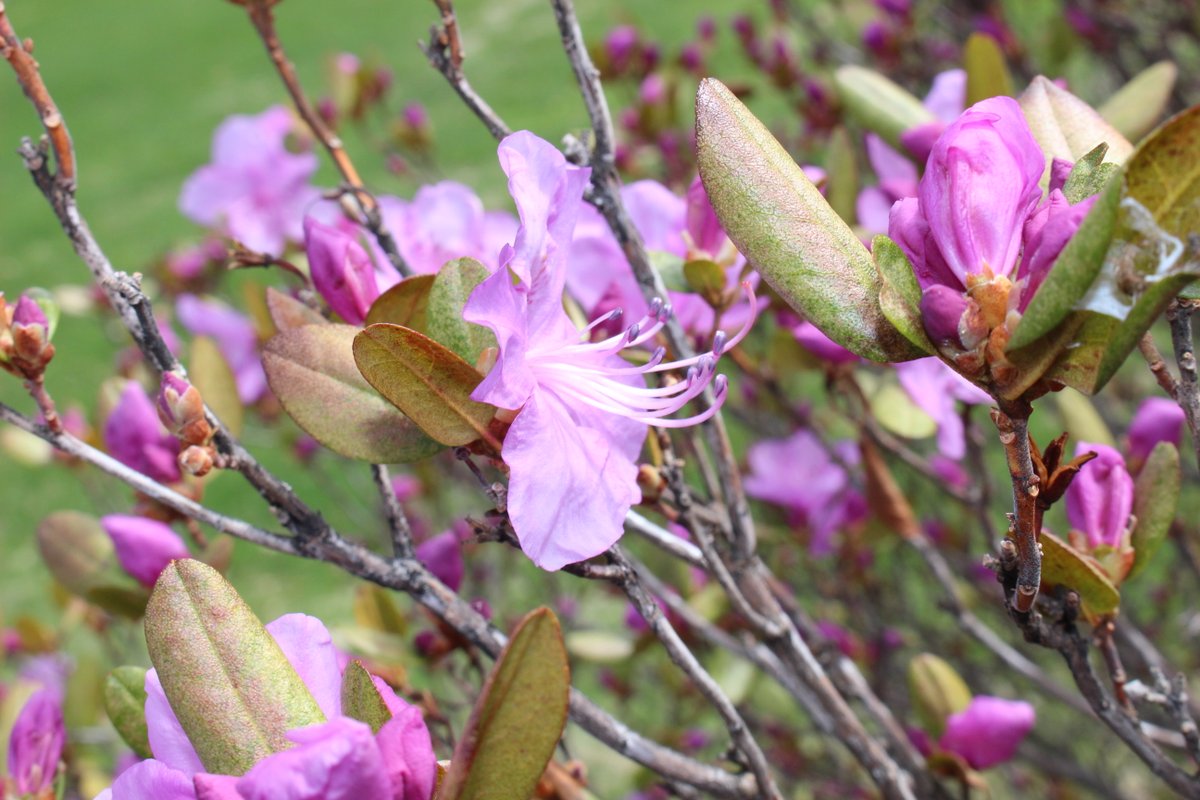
point(196, 461)
point(181, 410)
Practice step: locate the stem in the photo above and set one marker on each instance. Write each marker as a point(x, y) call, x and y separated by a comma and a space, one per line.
point(1027, 519)
point(1179, 316)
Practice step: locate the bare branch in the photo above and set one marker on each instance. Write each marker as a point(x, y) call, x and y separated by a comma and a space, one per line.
point(20, 57)
point(444, 51)
point(1179, 316)
point(401, 531)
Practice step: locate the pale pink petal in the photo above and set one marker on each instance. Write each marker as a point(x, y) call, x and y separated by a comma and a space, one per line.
point(309, 648)
point(168, 742)
point(336, 760)
point(152, 780)
point(408, 755)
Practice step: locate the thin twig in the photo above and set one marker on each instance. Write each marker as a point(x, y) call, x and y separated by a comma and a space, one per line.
point(444, 52)
point(1014, 435)
point(401, 531)
point(262, 16)
point(665, 540)
point(20, 56)
point(1158, 366)
point(1179, 316)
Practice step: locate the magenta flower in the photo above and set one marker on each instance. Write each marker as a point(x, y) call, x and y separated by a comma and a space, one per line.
point(976, 216)
point(134, 436)
point(341, 271)
point(937, 389)
point(234, 334)
point(583, 410)
point(443, 555)
point(254, 189)
point(1100, 499)
point(820, 345)
point(988, 731)
point(144, 546)
point(800, 475)
point(1156, 420)
point(36, 742)
point(339, 758)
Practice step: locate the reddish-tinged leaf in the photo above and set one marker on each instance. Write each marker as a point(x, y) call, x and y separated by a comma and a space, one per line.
point(404, 304)
point(287, 312)
point(1064, 565)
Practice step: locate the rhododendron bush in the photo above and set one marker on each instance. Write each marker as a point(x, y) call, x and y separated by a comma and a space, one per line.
point(762, 430)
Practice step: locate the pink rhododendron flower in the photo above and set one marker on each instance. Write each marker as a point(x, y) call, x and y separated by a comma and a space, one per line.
point(1100, 499)
point(234, 334)
point(134, 436)
point(977, 216)
point(255, 189)
point(583, 410)
point(35, 743)
point(1156, 420)
point(339, 758)
point(341, 271)
point(800, 475)
point(936, 389)
point(988, 731)
point(144, 546)
point(444, 221)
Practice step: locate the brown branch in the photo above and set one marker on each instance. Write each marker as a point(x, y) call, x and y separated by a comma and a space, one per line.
point(262, 16)
point(445, 54)
point(1179, 316)
point(20, 57)
point(1158, 366)
point(401, 531)
point(1014, 435)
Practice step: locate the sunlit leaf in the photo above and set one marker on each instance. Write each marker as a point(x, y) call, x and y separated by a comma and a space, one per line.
point(404, 304)
point(210, 373)
point(1138, 105)
point(517, 720)
point(987, 71)
point(1066, 127)
point(426, 381)
point(937, 691)
point(787, 231)
point(313, 373)
point(227, 681)
point(878, 104)
point(360, 699)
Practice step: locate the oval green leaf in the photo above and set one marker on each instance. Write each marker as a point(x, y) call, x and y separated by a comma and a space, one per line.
point(426, 381)
point(404, 304)
point(125, 703)
point(878, 104)
point(444, 310)
point(787, 231)
point(900, 295)
point(1066, 127)
point(937, 691)
point(1066, 566)
point(518, 719)
point(1138, 105)
point(1155, 500)
point(227, 681)
point(360, 699)
point(312, 371)
point(987, 71)
point(211, 374)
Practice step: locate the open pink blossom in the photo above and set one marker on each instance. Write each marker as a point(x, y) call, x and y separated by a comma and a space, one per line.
point(583, 410)
point(234, 334)
point(937, 390)
point(988, 731)
point(340, 758)
point(1100, 499)
point(255, 189)
point(35, 743)
point(444, 221)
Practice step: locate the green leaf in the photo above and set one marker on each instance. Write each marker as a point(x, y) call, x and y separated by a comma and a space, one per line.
point(429, 383)
point(600, 647)
point(670, 267)
point(707, 279)
point(125, 703)
point(900, 295)
point(1138, 105)
point(1073, 273)
point(878, 104)
point(1081, 420)
point(937, 691)
point(1090, 175)
point(841, 166)
point(987, 71)
point(313, 373)
point(1064, 565)
point(517, 720)
point(896, 412)
point(787, 231)
point(288, 312)
point(1155, 500)
point(120, 596)
point(360, 699)
point(227, 681)
point(210, 373)
point(1066, 127)
point(444, 320)
point(76, 549)
point(404, 304)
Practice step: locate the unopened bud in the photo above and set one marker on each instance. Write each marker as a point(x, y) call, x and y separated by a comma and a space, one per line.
point(31, 334)
point(196, 460)
point(181, 410)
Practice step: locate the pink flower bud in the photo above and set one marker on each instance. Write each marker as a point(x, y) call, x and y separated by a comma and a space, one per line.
point(415, 116)
point(619, 45)
point(28, 313)
point(706, 28)
point(1156, 420)
point(31, 334)
point(444, 558)
point(341, 271)
point(1100, 499)
point(144, 546)
point(653, 90)
point(988, 731)
point(181, 409)
point(36, 743)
